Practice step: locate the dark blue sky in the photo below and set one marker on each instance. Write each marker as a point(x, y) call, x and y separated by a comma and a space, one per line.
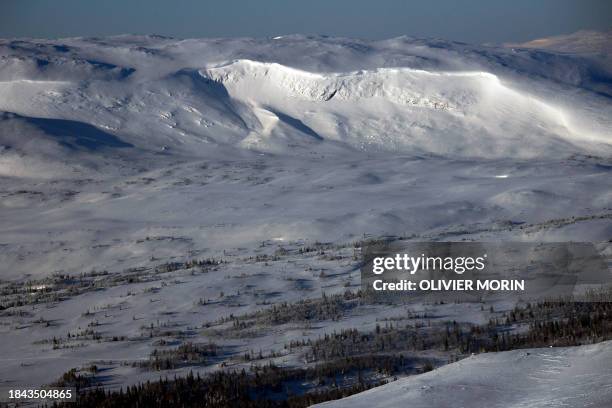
point(475, 21)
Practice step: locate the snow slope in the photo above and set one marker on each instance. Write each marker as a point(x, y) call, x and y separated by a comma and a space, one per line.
point(534, 378)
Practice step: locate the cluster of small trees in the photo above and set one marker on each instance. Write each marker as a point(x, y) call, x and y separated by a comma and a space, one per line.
point(547, 324)
point(388, 339)
point(175, 266)
point(75, 379)
point(59, 287)
point(577, 324)
point(184, 355)
point(265, 386)
point(326, 308)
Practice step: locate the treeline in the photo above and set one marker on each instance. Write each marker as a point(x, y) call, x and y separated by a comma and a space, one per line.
point(388, 339)
point(555, 324)
point(60, 287)
point(561, 325)
point(331, 307)
point(175, 266)
point(261, 386)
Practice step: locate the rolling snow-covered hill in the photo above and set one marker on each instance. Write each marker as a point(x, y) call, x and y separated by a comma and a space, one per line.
point(535, 378)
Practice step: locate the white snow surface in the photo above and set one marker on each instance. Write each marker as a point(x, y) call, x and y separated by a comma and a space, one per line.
point(532, 378)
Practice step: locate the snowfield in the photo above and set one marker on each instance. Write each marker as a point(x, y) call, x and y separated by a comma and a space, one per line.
point(535, 378)
point(270, 161)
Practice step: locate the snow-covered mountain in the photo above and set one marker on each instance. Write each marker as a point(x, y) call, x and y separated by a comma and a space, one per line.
point(535, 378)
point(582, 42)
point(125, 109)
point(123, 158)
point(280, 95)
